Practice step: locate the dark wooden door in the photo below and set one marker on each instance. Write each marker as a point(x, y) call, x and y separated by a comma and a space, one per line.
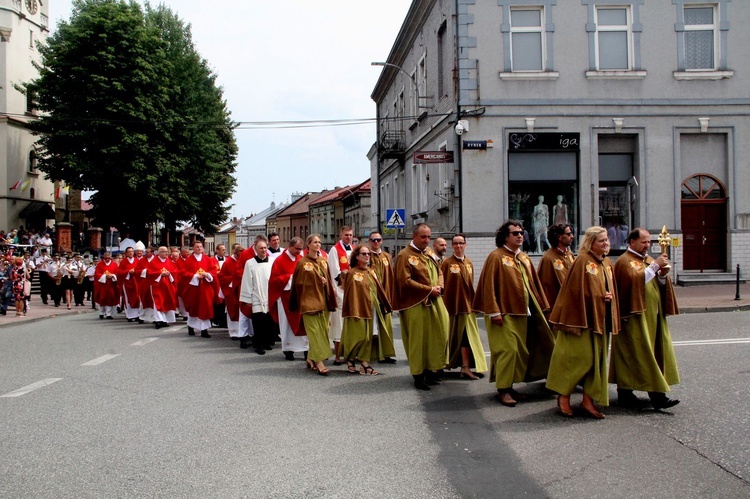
point(704, 229)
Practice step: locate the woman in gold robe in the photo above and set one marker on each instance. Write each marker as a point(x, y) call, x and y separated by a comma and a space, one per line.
point(585, 313)
point(313, 295)
point(363, 296)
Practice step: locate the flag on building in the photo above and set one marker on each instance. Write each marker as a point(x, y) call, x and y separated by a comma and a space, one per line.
point(25, 185)
point(15, 186)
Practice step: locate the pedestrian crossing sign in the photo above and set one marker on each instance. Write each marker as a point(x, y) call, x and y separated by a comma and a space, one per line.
point(395, 219)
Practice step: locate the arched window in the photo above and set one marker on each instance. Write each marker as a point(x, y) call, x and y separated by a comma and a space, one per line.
point(33, 162)
point(702, 186)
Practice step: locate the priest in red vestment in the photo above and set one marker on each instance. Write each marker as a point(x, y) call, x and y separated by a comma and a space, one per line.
point(279, 293)
point(199, 272)
point(127, 284)
point(230, 291)
point(105, 286)
point(144, 286)
point(161, 279)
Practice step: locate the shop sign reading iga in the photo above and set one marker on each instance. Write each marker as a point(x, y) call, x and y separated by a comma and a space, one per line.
point(432, 157)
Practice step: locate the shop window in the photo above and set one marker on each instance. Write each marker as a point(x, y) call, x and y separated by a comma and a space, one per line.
point(543, 184)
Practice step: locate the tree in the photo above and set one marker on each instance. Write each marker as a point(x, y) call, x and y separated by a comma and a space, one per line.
point(120, 117)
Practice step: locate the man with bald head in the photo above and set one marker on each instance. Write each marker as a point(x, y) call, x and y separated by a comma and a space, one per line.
point(424, 318)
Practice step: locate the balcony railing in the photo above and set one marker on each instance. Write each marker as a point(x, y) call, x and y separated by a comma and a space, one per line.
point(392, 144)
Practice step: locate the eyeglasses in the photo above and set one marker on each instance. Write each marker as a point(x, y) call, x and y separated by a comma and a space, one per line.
point(376, 240)
point(517, 232)
point(364, 254)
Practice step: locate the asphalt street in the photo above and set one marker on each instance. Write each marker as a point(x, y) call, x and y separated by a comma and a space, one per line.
point(92, 408)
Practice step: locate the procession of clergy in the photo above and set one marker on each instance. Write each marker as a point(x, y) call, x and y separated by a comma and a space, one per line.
point(575, 321)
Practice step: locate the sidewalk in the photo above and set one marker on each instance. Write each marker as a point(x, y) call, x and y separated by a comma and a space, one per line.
point(692, 299)
point(38, 311)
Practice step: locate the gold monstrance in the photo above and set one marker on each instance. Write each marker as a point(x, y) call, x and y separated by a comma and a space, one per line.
point(665, 241)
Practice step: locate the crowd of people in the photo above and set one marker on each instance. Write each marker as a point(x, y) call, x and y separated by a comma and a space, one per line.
point(572, 321)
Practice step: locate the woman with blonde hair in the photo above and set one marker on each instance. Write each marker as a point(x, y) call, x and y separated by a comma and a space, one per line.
point(585, 314)
point(313, 295)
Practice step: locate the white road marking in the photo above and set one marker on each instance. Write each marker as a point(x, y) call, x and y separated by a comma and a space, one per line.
point(727, 341)
point(100, 360)
point(31, 387)
point(144, 341)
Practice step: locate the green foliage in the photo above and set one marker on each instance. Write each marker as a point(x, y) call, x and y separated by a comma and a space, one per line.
point(132, 112)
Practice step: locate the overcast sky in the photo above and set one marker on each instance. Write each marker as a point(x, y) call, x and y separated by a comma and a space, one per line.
point(292, 60)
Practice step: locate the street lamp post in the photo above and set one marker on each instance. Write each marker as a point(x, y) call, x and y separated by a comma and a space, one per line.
point(411, 78)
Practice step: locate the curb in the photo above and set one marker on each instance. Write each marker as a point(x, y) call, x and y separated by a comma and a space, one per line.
point(700, 310)
point(31, 320)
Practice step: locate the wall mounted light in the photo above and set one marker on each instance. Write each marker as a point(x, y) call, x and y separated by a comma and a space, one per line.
point(530, 124)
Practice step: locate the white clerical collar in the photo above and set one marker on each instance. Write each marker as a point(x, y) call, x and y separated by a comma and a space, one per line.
point(636, 253)
point(290, 255)
point(130, 259)
point(163, 259)
point(198, 257)
point(517, 251)
point(413, 246)
point(460, 258)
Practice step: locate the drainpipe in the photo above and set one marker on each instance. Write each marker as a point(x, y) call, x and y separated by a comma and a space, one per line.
point(457, 100)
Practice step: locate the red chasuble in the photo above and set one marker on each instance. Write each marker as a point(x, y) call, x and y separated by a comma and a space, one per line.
point(144, 285)
point(231, 293)
point(106, 294)
point(199, 300)
point(343, 260)
point(163, 292)
point(282, 269)
point(129, 284)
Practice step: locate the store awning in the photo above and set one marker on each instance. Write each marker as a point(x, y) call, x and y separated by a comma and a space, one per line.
point(37, 209)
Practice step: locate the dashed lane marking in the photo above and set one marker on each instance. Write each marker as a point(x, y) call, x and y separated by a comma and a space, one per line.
point(727, 341)
point(30, 388)
point(144, 341)
point(100, 360)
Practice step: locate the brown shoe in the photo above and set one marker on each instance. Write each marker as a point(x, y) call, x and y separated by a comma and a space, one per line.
point(507, 400)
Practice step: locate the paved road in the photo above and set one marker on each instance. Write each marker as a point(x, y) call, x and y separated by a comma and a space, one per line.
point(126, 411)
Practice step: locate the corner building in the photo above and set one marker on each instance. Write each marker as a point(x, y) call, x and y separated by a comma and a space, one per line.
point(595, 112)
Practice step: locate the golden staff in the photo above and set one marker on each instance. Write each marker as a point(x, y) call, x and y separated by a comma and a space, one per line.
point(665, 241)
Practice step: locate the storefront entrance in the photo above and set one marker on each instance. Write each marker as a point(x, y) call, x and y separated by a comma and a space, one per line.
point(704, 223)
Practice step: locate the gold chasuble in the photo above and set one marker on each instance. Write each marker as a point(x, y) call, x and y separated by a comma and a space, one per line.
point(584, 321)
point(424, 319)
point(642, 354)
point(522, 346)
point(458, 296)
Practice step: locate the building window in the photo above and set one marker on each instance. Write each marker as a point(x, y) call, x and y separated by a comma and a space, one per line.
point(526, 39)
point(421, 82)
point(443, 52)
point(702, 30)
point(33, 162)
point(613, 38)
point(700, 37)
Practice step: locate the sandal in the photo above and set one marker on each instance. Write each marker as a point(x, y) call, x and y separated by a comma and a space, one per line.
point(467, 374)
point(310, 364)
point(323, 370)
point(367, 369)
point(351, 367)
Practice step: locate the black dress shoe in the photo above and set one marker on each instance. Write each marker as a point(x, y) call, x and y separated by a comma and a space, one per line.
point(660, 401)
point(627, 400)
point(419, 382)
point(244, 342)
point(109, 317)
point(131, 320)
point(234, 338)
point(141, 321)
point(204, 334)
point(387, 360)
point(289, 355)
point(260, 351)
point(101, 316)
point(191, 331)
